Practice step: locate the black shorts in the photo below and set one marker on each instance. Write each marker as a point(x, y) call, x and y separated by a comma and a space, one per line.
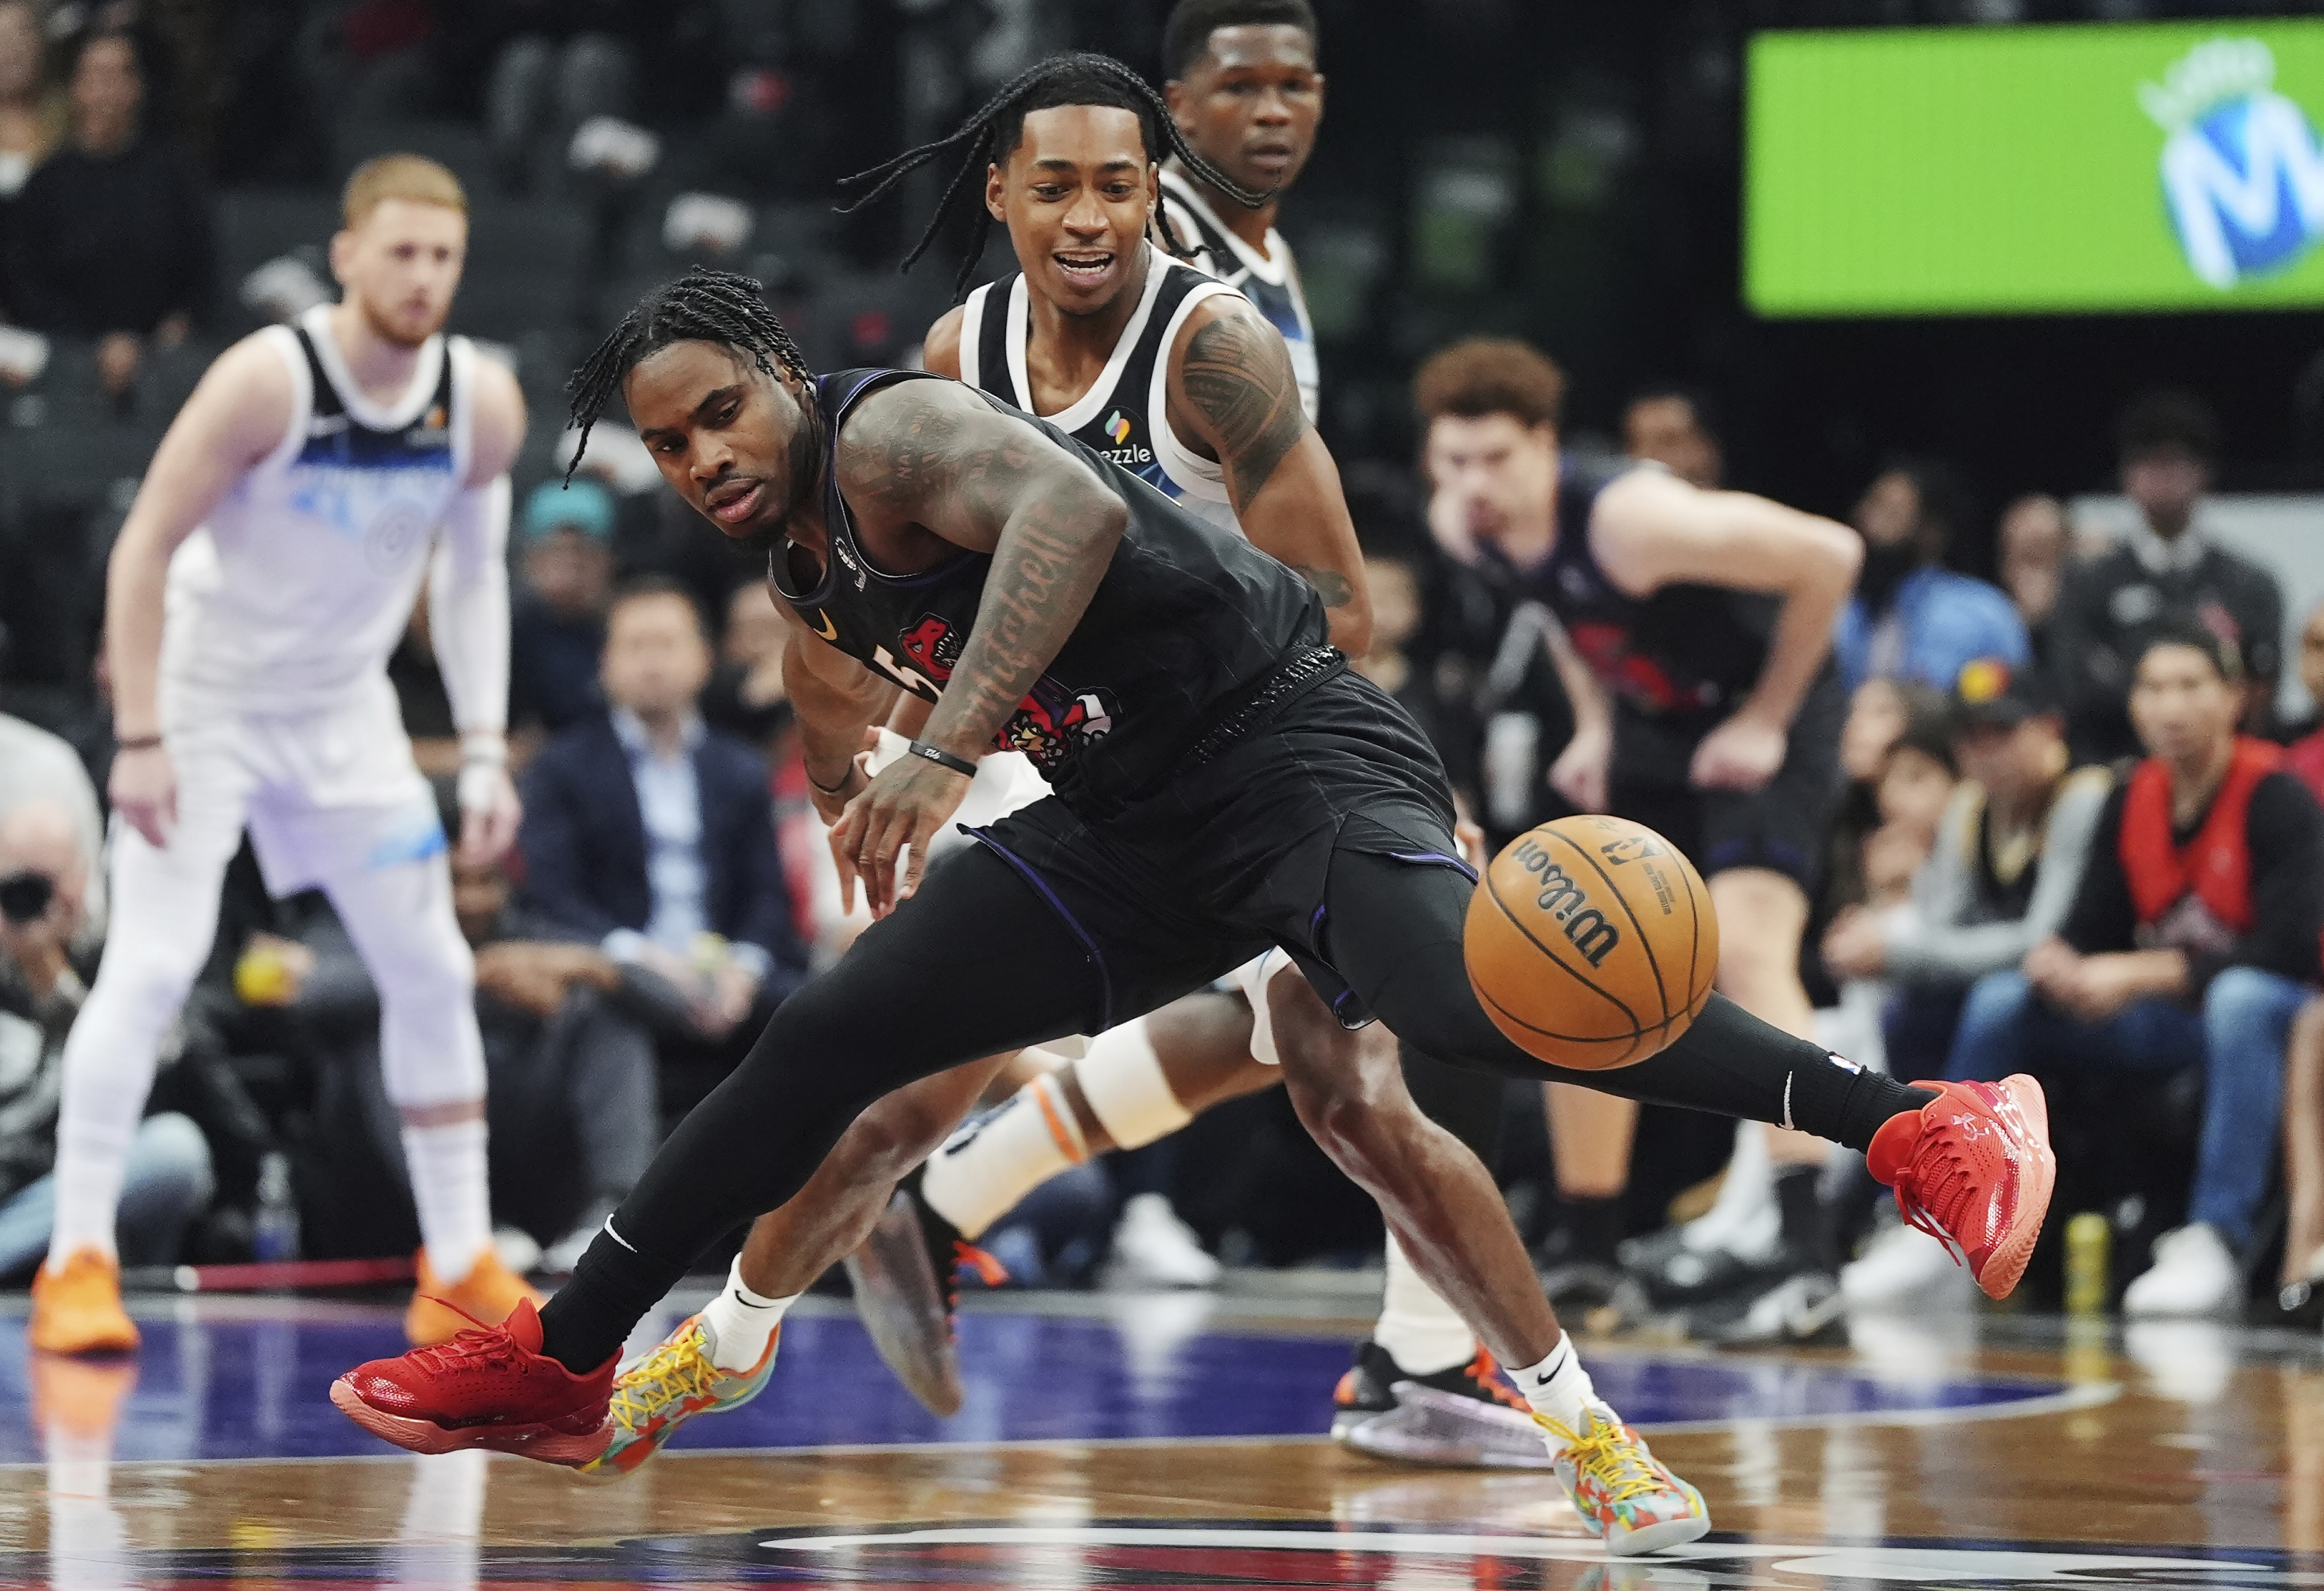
point(1231, 857)
point(1780, 826)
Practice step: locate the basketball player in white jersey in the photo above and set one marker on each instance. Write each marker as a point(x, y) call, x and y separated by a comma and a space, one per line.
point(1161, 368)
point(318, 475)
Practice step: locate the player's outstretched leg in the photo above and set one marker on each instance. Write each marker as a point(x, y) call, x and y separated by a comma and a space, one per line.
point(1969, 1163)
point(1443, 1210)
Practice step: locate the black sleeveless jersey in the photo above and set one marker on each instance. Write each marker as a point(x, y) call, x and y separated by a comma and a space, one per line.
point(1122, 418)
point(1681, 651)
point(1186, 619)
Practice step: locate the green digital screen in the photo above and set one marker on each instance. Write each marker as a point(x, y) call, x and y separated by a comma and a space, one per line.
point(2029, 170)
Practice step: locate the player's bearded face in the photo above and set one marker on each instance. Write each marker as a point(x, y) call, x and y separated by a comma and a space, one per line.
point(1076, 195)
point(729, 438)
point(1492, 470)
point(400, 267)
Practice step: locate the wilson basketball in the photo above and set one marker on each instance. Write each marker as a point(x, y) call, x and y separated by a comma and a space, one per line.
point(1592, 943)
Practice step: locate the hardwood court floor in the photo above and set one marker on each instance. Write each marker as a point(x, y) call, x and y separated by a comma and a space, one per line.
point(1168, 1441)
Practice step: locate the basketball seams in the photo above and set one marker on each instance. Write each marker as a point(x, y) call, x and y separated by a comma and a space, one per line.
point(1493, 891)
point(1695, 942)
point(1502, 1012)
point(1646, 940)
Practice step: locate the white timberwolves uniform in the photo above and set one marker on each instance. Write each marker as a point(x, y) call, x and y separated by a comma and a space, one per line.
point(1269, 281)
point(276, 713)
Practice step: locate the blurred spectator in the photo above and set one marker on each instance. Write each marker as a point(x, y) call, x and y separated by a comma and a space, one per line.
point(1916, 781)
point(557, 626)
point(2300, 1297)
point(110, 237)
point(568, 1056)
point(745, 696)
point(2169, 571)
point(2189, 943)
point(44, 874)
point(31, 112)
point(562, 64)
point(37, 766)
point(2036, 547)
point(652, 834)
point(1675, 426)
point(1911, 616)
point(2306, 757)
point(2010, 851)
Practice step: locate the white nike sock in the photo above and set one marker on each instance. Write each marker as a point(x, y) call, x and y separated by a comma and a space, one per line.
point(1419, 1330)
point(1557, 1387)
point(741, 1321)
point(986, 1167)
point(451, 1190)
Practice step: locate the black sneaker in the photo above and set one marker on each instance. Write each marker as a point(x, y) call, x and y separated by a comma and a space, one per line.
point(1468, 1417)
point(907, 1281)
point(1797, 1305)
point(2298, 1306)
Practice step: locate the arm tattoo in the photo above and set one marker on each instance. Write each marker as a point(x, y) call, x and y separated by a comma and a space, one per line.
point(1330, 585)
point(1238, 377)
point(1058, 527)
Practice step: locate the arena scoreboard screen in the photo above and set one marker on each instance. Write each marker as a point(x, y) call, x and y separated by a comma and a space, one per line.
point(2104, 168)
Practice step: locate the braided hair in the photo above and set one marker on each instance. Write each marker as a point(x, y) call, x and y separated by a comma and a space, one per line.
point(702, 305)
point(992, 135)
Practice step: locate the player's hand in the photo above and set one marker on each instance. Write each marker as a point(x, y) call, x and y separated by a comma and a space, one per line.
point(830, 805)
point(894, 817)
point(144, 792)
point(1742, 753)
point(490, 813)
point(1579, 774)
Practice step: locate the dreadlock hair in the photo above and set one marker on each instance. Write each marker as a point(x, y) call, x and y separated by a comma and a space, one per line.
point(702, 305)
point(992, 135)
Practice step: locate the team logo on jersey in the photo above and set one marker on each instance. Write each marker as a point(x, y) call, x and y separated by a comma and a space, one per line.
point(432, 432)
point(1119, 430)
point(2243, 172)
point(1050, 724)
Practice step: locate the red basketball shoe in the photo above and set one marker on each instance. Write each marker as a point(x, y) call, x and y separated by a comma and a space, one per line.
point(491, 1386)
point(1973, 1169)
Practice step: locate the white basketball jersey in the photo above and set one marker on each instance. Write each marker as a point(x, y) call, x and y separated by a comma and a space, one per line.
point(295, 590)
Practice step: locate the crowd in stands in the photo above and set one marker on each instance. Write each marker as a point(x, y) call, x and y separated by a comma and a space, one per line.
point(2075, 837)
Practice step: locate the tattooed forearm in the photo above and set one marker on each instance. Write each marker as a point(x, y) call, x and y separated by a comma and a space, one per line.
point(1334, 588)
point(1238, 377)
point(1051, 556)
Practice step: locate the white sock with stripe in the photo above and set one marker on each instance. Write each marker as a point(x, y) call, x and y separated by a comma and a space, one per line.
point(988, 1166)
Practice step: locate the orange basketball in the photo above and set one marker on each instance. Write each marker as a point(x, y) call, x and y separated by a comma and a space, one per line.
point(1592, 943)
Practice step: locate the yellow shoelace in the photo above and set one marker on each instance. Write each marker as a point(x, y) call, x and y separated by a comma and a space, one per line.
point(676, 1369)
point(1608, 1455)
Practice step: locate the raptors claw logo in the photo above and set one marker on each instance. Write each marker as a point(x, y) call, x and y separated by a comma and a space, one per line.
point(1049, 725)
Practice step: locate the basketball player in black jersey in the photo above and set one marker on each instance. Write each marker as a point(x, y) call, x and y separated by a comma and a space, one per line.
point(1223, 782)
point(1159, 368)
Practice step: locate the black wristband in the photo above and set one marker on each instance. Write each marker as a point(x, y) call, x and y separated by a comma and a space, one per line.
point(943, 758)
point(138, 743)
point(845, 780)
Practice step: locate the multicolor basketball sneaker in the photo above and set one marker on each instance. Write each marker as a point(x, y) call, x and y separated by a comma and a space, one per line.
point(669, 1386)
point(1637, 1504)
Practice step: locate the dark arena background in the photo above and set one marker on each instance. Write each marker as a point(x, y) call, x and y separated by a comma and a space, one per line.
point(1973, 351)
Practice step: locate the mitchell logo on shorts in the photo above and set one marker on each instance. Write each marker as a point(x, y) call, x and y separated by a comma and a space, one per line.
point(1564, 901)
point(1119, 430)
point(2242, 173)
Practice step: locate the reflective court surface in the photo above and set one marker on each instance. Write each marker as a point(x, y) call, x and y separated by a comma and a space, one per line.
point(1174, 1440)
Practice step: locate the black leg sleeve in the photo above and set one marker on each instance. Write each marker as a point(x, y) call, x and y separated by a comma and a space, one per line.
point(1394, 935)
point(974, 964)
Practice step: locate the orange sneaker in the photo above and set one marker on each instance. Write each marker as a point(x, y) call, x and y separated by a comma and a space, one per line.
point(78, 1309)
point(489, 1291)
point(1973, 1169)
